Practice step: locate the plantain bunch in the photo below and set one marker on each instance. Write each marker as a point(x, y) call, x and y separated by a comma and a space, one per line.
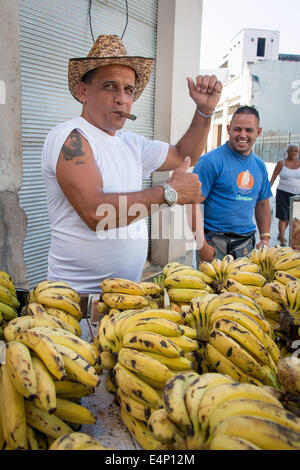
point(211, 411)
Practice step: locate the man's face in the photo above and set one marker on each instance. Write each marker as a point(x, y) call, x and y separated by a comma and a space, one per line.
point(243, 132)
point(110, 91)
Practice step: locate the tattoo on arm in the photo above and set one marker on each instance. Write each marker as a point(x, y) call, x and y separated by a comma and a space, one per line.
point(72, 148)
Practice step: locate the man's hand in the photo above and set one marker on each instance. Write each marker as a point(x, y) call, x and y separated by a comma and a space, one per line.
point(205, 92)
point(186, 184)
point(207, 252)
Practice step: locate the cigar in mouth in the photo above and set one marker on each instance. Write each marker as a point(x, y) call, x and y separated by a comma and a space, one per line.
point(132, 117)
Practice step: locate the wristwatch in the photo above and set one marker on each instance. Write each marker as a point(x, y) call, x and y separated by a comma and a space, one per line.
point(170, 195)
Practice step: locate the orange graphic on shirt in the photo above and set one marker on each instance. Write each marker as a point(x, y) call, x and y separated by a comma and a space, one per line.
point(245, 180)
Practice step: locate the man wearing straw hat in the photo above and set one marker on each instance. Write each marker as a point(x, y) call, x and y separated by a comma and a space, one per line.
point(93, 170)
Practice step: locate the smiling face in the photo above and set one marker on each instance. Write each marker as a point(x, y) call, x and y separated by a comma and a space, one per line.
point(243, 132)
point(110, 91)
point(293, 153)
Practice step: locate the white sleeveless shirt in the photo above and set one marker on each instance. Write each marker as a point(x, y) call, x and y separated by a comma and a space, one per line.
point(289, 180)
point(78, 255)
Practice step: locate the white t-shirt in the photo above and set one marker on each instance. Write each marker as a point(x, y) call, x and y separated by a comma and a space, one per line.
point(78, 255)
point(289, 180)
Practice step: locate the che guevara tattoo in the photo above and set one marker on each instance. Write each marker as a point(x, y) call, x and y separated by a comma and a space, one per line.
point(73, 147)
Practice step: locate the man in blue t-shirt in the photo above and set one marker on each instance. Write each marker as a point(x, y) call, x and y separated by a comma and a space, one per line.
point(235, 186)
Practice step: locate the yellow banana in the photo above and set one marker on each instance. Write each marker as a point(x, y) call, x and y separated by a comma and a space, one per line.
point(59, 301)
point(225, 263)
point(124, 301)
point(190, 282)
point(239, 356)
point(46, 392)
point(12, 412)
point(20, 366)
point(185, 295)
point(8, 283)
point(7, 311)
point(270, 308)
point(133, 386)
point(192, 398)
point(226, 442)
point(46, 423)
point(217, 265)
point(121, 286)
point(26, 322)
point(223, 365)
point(72, 412)
point(216, 396)
point(252, 407)
point(207, 268)
point(185, 343)
point(66, 338)
point(65, 317)
point(107, 360)
point(248, 278)
point(285, 277)
point(153, 342)
point(174, 363)
point(262, 432)
point(32, 442)
point(7, 298)
point(76, 441)
point(139, 430)
point(46, 350)
point(77, 367)
point(291, 260)
point(174, 392)
point(146, 365)
point(72, 389)
point(275, 291)
point(162, 326)
point(137, 409)
point(229, 297)
point(60, 288)
point(150, 288)
point(231, 285)
point(164, 429)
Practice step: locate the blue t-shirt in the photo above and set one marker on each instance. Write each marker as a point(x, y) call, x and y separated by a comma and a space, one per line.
point(232, 184)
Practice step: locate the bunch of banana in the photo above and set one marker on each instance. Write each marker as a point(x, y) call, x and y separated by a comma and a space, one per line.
point(176, 425)
point(9, 302)
point(60, 317)
point(58, 298)
point(77, 441)
point(183, 283)
point(276, 258)
point(238, 340)
point(123, 294)
point(241, 270)
point(39, 390)
point(243, 416)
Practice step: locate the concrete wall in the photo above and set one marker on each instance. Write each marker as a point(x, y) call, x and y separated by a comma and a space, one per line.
point(178, 56)
point(12, 216)
point(277, 95)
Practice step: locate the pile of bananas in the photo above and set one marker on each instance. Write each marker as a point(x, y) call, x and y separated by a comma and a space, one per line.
point(276, 258)
point(239, 341)
point(77, 441)
point(58, 299)
point(47, 370)
point(123, 294)
point(9, 302)
point(142, 349)
point(183, 283)
point(211, 411)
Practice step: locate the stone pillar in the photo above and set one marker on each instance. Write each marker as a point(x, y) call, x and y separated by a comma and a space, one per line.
point(12, 216)
point(178, 56)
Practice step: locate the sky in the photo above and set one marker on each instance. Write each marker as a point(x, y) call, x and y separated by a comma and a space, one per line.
point(223, 19)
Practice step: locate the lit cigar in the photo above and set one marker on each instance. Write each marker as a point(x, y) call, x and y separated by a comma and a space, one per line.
point(128, 116)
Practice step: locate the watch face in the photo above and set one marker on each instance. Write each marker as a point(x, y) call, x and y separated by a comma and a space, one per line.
point(171, 196)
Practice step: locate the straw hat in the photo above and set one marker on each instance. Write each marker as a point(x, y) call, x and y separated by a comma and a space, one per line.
point(107, 50)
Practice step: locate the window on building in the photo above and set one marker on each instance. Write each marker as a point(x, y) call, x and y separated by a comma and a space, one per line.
point(261, 46)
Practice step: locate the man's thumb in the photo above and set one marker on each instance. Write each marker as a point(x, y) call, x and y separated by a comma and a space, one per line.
point(185, 164)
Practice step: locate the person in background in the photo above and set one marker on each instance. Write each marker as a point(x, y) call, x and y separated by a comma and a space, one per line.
point(288, 170)
point(235, 187)
point(93, 170)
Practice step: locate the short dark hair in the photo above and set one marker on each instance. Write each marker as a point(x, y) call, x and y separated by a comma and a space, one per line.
point(88, 76)
point(247, 110)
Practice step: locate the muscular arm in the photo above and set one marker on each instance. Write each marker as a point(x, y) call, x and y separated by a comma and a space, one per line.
point(81, 182)
point(263, 218)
